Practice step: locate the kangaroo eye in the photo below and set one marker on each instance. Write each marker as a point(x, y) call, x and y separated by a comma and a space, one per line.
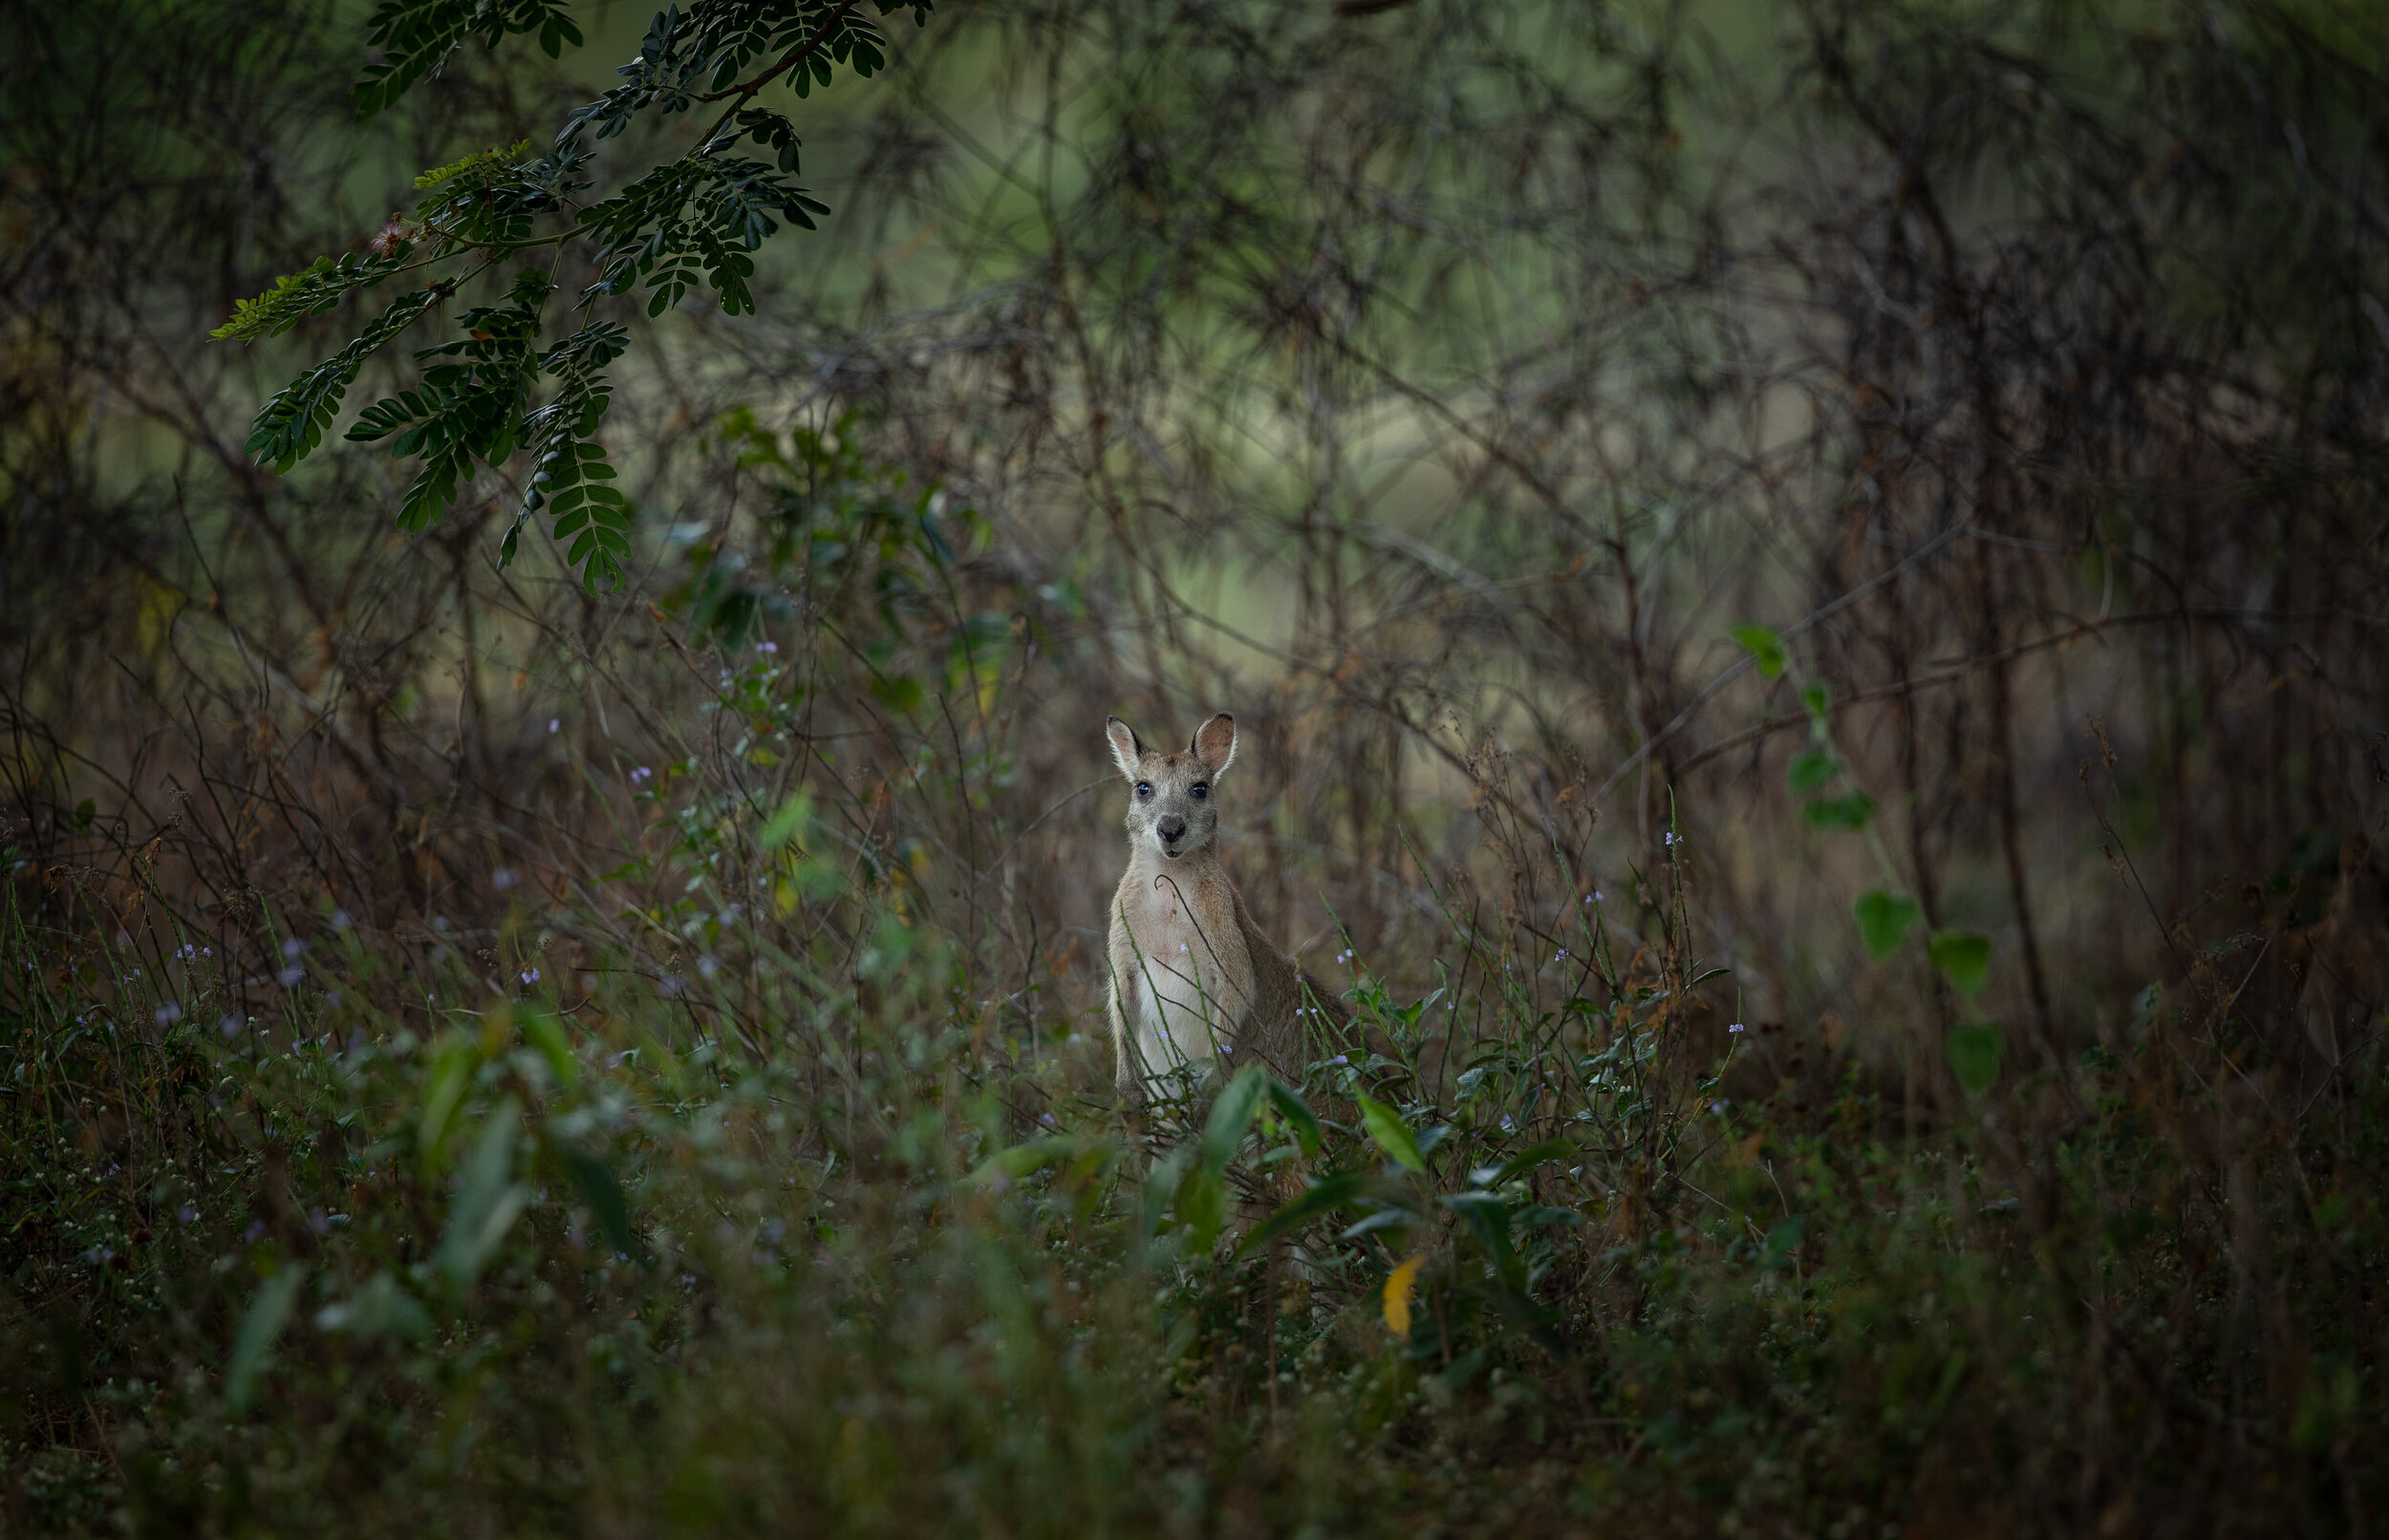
point(1144, 791)
point(1198, 791)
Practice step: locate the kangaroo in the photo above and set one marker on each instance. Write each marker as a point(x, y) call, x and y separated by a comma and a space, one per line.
point(1193, 981)
point(2347, 958)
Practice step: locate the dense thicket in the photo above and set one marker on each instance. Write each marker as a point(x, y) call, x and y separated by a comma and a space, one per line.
point(1805, 591)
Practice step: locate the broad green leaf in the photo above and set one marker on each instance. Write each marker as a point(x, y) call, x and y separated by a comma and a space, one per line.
point(606, 1204)
point(1488, 1218)
point(546, 1034)
point(1298, 1115)
point(252, 1346)
point(1974, 1055)
point(1323, 1196)
point(1849, 811)
point(794, 817)
point(381, 1307)
point(1964, 959)
point(487, 1200)
point(1811, 770)
point(1522, 1162)
point(1385, 1126)
point(1202, 1208)
point(1159, 1183)
point(1231, 1115)
point(1884, 920)
point(1765, 647)
point(1025, 1160)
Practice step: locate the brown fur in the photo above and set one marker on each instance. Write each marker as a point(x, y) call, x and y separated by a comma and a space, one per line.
point(2347, 969)
point(1194, 979)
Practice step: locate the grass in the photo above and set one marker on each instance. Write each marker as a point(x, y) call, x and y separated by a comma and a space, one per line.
point(494, 1263)
point(1747, 557)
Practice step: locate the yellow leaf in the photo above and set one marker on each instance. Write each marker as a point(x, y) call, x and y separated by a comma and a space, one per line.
point(159, 604)
point(1398, 1297)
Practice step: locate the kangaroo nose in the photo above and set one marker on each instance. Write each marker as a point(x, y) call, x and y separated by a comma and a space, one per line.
point(1172, 827)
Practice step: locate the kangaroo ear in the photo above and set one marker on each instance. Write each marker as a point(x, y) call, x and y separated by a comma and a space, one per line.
point(1126, 750)
point(1215, 743)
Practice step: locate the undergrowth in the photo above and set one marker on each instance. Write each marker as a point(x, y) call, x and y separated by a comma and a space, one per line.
point(408, 1250)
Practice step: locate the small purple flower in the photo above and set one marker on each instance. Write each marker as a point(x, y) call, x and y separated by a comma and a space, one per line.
point(167, 1015)
point(1736, 1027)
point(554, 722)
point(503, 878)
point(290, 976)
point(530, 975)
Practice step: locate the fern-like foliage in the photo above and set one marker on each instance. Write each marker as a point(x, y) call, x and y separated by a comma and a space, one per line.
point(294, 422)
point(569, 468)
point(302, 295)
point(415, 36)
point(691, 225)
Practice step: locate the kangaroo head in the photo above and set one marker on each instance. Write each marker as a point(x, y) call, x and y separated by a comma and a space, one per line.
point(1174, 808)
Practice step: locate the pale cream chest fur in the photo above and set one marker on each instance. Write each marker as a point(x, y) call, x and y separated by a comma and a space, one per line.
point(1182, 970)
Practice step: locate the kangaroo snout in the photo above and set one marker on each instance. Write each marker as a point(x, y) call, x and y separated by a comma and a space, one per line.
point(1171, 828)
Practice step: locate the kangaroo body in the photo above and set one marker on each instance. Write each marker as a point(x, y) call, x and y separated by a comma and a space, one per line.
point(1194, 981)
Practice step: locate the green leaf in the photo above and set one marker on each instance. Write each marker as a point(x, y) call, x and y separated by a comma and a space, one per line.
point(487, 1200)
point(1817, 698)
point(1007, 1166)
point(794, 817)
point(1488, 1218)
point(1849, 811)
point(1385, 1126)
point(1159, 1182)
point(1298, 1115)
point(1884, 920)
point(1964, 959)
point(1764, 646)
point(1323, 1196)
point(897, 691)
point(606, 1203)
point(1974, 1055)
point(1811, 769)
point(1231, 1115)
point(382, 1308)
point(1201, 1207)
point(290, 425)
point(252, 1346)
point(294, 297)
point(1522, 1162)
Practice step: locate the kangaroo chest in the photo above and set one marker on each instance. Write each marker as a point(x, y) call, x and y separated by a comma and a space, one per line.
point(1189, 974)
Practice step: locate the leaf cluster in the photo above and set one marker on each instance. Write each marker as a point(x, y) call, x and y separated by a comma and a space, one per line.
point(693, 222)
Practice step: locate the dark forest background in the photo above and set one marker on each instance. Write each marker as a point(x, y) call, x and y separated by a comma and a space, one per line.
point(1804, 591)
